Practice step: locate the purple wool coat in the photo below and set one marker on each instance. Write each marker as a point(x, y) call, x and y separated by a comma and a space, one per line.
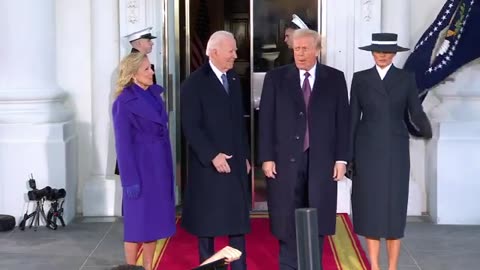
point(145, 158)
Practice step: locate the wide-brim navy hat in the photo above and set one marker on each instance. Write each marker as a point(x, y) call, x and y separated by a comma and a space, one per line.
point(384, 42)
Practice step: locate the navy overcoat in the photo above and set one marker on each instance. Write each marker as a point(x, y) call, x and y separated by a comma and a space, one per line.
point(282, 131)
point(213, 122)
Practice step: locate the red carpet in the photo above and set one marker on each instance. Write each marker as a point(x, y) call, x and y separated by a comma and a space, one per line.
point(342, 251)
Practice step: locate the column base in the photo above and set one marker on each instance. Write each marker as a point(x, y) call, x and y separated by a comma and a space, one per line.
point(453, 158)
point(49, 152)
point(102, 196)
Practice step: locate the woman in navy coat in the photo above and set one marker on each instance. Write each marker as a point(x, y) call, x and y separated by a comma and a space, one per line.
point(145, 159)
point(380, 96)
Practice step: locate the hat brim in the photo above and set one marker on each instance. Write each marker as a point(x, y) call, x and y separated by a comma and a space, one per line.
point(383, 48)
point(146, 36)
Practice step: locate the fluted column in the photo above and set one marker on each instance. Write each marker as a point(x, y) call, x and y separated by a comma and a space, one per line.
point(37, 132)
point(396, 19)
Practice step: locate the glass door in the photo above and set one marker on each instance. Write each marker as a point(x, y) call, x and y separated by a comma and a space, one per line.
point(170, 59)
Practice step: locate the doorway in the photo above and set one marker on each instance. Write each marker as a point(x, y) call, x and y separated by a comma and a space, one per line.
point(259, 29)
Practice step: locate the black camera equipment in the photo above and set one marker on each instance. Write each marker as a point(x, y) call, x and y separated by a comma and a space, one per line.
point(56, 196)
point(37, 194)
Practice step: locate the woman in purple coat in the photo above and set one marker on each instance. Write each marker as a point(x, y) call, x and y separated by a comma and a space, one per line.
point(144, 158)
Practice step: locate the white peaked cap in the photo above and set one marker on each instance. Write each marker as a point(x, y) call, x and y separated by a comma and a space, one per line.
point(299, 22)
point(143, 33)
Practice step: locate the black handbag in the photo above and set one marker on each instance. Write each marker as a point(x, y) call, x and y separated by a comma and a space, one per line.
point(350, 173)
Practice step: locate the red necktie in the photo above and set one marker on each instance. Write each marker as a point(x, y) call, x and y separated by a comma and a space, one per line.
point(307, 90)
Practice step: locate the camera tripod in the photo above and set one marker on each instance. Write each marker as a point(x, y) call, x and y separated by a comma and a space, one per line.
point(56, 211)
point(35, 215)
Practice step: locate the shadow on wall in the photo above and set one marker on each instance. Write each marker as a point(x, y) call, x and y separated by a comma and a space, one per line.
point(62, 158)
point(112, 154)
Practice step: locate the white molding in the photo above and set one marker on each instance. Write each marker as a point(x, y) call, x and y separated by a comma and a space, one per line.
point(132, 11)
point(368, 20)
point(367, 6)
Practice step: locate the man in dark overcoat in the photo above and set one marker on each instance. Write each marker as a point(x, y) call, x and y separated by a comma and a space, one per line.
point(303, 143)
point(216, 194)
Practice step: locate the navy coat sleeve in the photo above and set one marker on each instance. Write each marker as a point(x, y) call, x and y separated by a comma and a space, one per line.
point(123, 128)
point(355, 112)
point(415, 110)
point(342, 118)
point(267, 120)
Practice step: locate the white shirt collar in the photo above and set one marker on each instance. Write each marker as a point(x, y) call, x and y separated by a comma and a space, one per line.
point(311, 78)
point(383, 71)
point(217, 72)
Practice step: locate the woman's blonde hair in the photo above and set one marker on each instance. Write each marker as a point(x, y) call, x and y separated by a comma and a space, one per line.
point(128, 67)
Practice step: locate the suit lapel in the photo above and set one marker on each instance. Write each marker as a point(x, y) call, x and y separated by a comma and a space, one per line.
point(376, 81)
point(319, 83)
point(391, 79)
point(141, 107)
point(232, 81)
point(214, 81)
point(293, 86)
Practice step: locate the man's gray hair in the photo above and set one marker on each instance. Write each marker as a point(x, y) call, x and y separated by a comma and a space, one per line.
point(300, 33)
point(216, 38)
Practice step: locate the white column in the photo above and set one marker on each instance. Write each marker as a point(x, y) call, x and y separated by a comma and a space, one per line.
point(396, 19)
point(453, 155)
point(100, 191)
point(28, 89)
point(37, 134)
point(350, 26)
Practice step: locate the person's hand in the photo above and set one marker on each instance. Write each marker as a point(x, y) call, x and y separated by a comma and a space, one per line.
point(339, 171)
point(227, 253)
point(269, 169)
point(248, 167)
point(220, 163)
point(230, 254)
point(133, 191)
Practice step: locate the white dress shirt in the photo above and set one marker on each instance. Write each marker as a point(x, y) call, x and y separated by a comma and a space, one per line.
point(217, 72)
point(383, 71)
point(311, 78)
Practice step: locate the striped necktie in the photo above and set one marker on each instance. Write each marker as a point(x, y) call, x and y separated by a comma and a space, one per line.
point(225, 82)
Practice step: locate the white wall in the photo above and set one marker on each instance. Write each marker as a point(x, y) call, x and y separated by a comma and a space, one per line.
point(74, 76)
point(422, 14)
